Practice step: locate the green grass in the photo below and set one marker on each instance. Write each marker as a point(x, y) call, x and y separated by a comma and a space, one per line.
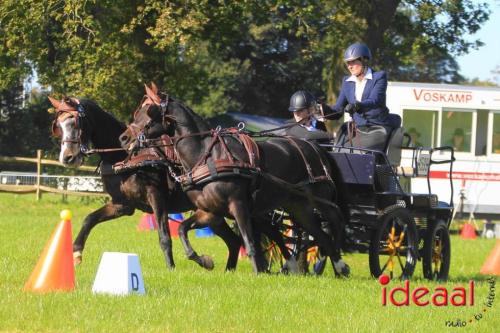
point(190, 299)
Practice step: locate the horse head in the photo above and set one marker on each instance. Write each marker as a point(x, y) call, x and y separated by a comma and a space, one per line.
point(68, 126)
point(150, 119)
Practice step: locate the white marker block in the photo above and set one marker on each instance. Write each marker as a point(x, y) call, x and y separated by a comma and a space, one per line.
point(119, 274)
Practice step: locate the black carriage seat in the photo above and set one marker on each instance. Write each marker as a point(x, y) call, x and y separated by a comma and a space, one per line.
point(386, 182)
point(394, 140)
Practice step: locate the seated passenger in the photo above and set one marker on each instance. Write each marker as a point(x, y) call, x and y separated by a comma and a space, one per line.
point(363, 96)
point(457, 140)
point(414, 135)
point(304, 107)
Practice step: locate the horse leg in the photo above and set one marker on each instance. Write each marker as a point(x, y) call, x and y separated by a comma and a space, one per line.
point(202, 219)
point(241, 214)
point(335, 218)
point(233, 243)
point(107, 212)
point(194, 222)
point(156, 200)
point(304, 215)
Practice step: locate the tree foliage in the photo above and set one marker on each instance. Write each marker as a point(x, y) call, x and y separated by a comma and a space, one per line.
point(222, 55)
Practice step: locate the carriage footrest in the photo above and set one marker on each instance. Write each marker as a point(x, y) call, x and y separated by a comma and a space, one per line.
point(405, 171)
point(364, 215)
point(424, 200)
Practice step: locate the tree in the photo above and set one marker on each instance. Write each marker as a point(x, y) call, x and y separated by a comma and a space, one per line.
point(225, 55)
point(23, 130)
point(480, 83)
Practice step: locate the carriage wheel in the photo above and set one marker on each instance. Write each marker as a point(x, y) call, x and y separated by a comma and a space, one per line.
point(271, 251)
point(302, 246)
point(393, 249)
point(273, 256)
point(437, 251)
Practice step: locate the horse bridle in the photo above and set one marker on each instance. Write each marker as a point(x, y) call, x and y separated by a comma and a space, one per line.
point(166, 119)
point(71, 108)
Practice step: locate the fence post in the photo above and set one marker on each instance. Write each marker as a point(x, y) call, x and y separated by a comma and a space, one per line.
point(38, 173)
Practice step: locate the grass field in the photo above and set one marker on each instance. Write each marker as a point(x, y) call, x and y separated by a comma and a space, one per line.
point(190, 299)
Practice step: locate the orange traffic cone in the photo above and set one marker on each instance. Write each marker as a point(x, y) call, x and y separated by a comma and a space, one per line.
point(55, 270)
point(492, 264)
point(243, 252)
point(468, 231)
point(147, 223)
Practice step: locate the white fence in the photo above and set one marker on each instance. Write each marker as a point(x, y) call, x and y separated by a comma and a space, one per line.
point(25, 182)
point(70, 183)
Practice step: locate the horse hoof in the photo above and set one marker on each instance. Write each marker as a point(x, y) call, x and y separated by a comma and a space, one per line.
point(291, 267)
point(207, 262)
point(77, 258)
point(342, 270)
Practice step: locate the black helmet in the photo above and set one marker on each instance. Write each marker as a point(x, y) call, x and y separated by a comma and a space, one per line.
point(356, 51)
point(301, 100)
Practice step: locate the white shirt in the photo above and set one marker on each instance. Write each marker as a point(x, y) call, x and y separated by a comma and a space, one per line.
point(360, 84)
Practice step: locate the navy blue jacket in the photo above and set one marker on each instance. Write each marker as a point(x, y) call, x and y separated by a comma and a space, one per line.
point(373, 109)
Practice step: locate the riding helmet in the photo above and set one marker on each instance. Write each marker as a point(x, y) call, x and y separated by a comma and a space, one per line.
point(301, 100)
point(357, 51)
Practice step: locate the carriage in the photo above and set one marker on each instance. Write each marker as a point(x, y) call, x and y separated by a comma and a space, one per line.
point(393, 225)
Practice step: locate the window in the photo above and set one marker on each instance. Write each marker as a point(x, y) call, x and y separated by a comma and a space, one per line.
point(456, 130)
point(421, 125)
point(495, 147)
point(481, 132)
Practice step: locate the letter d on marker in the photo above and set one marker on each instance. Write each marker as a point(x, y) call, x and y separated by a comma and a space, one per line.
point(135, 281)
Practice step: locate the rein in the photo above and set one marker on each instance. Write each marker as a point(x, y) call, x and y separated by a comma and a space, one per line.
point(102, 150)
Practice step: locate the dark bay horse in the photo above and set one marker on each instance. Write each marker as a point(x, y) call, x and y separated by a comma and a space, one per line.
point(82, 122)
point(288, 176)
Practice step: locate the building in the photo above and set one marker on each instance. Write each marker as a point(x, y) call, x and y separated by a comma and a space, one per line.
point(464, 117)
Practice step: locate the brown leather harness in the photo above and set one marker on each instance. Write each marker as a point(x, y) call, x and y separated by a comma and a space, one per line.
point(158, 154)
point(208, 169)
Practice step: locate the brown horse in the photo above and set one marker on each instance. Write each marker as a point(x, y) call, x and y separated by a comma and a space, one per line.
point(82, 122)
point(291, 174)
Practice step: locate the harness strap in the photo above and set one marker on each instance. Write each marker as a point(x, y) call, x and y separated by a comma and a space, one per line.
point(308, 166)
point(149, 155)
point(318, 153)
point(168, 149)
point(250, 145)
point(206, 154)
point(224, 147)
point(295, 189)
point(252, 149)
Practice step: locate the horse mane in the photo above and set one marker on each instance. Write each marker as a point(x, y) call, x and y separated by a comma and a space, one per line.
point(92, 106)
point(200, 122)
point(105, 131)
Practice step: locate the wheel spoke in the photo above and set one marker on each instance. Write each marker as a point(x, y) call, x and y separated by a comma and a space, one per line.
point(388, 263)
point(400, 262)
point(393, 231)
